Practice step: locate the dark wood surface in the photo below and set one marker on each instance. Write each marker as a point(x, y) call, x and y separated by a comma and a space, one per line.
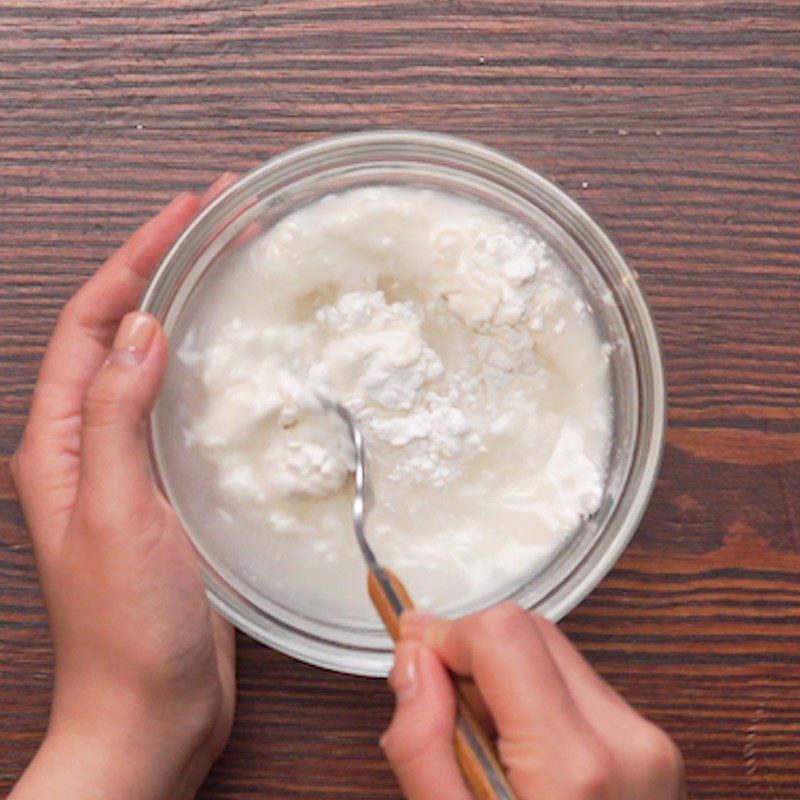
point(677, 124)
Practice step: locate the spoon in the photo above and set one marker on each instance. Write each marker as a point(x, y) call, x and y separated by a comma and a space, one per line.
point(475, 751)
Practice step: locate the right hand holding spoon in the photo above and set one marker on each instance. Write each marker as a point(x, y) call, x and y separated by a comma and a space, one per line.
point(562, 732)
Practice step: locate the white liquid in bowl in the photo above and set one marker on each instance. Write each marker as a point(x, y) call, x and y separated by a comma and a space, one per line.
point(470, 360)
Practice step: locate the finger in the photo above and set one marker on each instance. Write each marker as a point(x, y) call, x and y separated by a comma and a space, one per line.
point(593, 696)
point(225, 181)
point(114, 479)
point(419, 741)
point(643, 752)
point(225, 642)
point(412, 626)
point(224, 636)
point(87, 324)
point(591, 693)
point(414, 622)
point(503, 650)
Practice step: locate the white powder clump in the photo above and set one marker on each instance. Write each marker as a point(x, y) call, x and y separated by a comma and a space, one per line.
point(381, 346)
point(255, 425)
point(435, 436)
point(486, 276)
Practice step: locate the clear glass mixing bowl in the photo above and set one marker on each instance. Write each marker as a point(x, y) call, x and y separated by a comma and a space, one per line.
point(279, 186)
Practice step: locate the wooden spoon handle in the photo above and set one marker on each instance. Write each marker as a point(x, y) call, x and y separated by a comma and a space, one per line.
point(382, 603)
point(475, 751)
point(477, 756)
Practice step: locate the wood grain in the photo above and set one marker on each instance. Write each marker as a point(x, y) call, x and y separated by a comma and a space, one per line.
point(676, 123)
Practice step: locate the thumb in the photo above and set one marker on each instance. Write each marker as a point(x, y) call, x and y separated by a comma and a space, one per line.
point(419, 741)
point(114, 474)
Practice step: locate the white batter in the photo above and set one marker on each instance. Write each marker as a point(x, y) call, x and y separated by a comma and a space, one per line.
point(468, 357)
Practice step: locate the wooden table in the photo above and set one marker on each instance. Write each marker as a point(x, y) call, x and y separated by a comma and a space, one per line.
point(676, 124)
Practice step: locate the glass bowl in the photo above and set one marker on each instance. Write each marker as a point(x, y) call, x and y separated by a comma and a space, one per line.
point(299, 176)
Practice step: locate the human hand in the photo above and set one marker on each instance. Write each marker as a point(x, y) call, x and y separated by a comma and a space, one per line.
point(562, 732)
point(144, 670)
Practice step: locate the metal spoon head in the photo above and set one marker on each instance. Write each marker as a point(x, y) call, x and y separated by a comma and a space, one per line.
point(360, 496)
point(361, 486)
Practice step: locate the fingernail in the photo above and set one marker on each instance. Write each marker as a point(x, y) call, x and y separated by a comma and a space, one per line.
point(178, 200)
point(404, 677)
point(413, 624)
point(132, 342)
